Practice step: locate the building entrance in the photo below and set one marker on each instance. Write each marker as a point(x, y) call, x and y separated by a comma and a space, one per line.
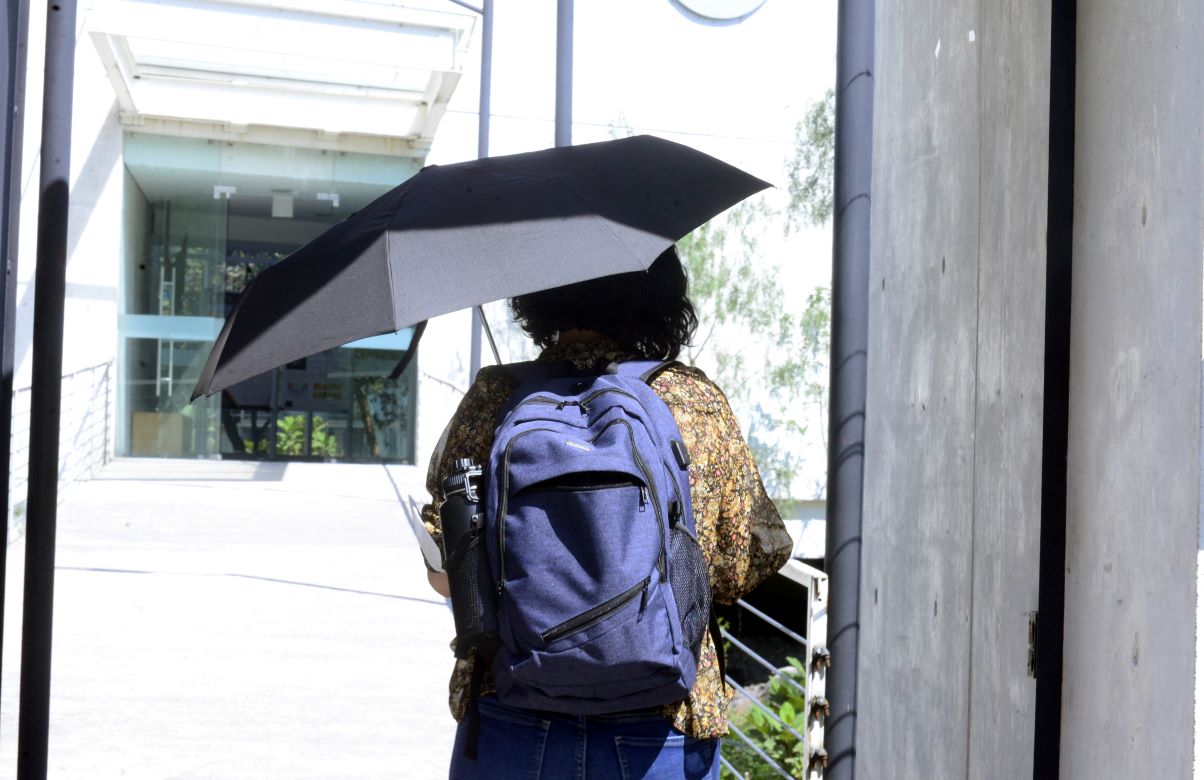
point(202, 220)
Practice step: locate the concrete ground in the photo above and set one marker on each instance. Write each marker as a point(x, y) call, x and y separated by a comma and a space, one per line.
point(239, 620)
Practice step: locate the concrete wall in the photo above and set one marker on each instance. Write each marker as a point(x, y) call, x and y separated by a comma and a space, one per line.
point(93, 248)
point(85, 431)
point(1133, 487)
point(94, 220)
point(954, 410)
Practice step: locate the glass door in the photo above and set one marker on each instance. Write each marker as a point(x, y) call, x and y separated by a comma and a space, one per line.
point(203, 220)
point(172, 305)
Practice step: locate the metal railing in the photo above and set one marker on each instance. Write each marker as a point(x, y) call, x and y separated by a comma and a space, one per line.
point(84, 430)
point(778, 739)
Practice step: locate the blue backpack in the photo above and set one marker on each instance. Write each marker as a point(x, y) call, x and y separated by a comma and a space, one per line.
point(604, 596)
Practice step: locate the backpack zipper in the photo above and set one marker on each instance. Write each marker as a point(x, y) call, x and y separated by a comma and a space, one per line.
point(650, 486)
point(583, 404)
point(540, 488)
point(656, 502)
point(597, 614)
point(639, 462)
point(505, 494)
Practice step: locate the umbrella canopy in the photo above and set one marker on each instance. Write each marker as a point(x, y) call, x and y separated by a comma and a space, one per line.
point(456, 236)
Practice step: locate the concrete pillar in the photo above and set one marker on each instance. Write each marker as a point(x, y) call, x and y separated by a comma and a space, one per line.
point(1133, 486)
point(953, 431)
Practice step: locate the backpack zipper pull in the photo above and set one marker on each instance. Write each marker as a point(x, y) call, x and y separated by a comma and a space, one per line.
point(644, 598)
point(643, 497)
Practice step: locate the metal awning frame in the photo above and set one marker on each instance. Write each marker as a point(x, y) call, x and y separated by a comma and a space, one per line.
point(412, 60)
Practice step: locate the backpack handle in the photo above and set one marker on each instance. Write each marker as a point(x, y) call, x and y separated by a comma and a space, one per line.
point(535, 370)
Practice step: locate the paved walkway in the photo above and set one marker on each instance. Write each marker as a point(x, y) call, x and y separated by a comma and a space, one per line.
point(239, 620)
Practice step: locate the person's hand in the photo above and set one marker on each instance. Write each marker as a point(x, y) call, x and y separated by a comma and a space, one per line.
point(438, 581)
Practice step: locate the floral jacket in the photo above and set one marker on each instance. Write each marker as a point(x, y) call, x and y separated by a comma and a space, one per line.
point(739, 529)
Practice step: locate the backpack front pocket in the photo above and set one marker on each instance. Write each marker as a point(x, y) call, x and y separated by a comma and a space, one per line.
point(597, 614)
point(575, 550)
point(629, 649)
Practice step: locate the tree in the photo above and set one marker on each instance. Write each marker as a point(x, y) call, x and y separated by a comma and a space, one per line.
point(811, 166)
point(736, 290)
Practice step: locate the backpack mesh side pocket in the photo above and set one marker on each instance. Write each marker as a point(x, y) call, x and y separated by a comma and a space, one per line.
point(473, 606)
point(691, 584)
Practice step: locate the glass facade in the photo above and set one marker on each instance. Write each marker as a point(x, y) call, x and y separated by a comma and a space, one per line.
point(202, 220)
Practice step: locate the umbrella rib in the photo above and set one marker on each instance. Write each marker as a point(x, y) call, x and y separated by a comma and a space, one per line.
point(606, 223)
point(389, 273)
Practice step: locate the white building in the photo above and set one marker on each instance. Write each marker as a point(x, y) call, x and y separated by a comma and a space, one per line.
point(210, 139)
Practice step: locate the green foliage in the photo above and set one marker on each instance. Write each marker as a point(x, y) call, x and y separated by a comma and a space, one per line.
point(771, 360)
point(810, 168)
point(290, 437)
point(789, 703)
point(378, 400)
point(730, 290)
point(725, 283)
point(620, 128)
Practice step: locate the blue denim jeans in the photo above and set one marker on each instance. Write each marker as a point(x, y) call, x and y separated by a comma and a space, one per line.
point(518, 744)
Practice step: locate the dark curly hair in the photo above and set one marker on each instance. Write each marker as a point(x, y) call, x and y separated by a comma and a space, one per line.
point(647, 312)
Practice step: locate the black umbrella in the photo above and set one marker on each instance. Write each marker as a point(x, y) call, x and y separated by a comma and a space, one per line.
point(455, 236)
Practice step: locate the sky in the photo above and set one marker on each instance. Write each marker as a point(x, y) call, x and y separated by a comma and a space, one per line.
point(734, 91)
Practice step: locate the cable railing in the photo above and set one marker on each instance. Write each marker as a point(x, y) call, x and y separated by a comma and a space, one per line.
point(84, 431)
point(776, 729)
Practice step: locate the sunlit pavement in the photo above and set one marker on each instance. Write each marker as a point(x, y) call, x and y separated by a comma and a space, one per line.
point(239, 620)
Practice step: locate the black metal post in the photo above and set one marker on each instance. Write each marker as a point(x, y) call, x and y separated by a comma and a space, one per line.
point(486, 11)
point(50, 285)
point(486, 78)
point(12, 74)
point(564, 72)
point(850, 341)
point(1059, 260)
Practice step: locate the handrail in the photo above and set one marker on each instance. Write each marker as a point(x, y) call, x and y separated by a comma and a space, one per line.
point(740, 688)
point(107, 364)
point(800, 639)
point(804, 738)
point(772, 764)
point(764, 663)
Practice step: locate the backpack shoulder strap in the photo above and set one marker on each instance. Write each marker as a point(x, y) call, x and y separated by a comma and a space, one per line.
point(536, 370)
point(539, 370)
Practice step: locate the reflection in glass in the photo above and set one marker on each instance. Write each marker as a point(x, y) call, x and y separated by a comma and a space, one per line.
point(201, 223)
point(159, 378)
point(340, 404)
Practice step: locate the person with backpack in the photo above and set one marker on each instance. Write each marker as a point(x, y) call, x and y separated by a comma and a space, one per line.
point(605, 495)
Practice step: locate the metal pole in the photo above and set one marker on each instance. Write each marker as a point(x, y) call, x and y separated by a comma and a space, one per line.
point(1059, 272)
point(486, 78)
point(564, 72)
point(474, 364)
point(50, 284)
point(12, 66)
point(850, 337)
